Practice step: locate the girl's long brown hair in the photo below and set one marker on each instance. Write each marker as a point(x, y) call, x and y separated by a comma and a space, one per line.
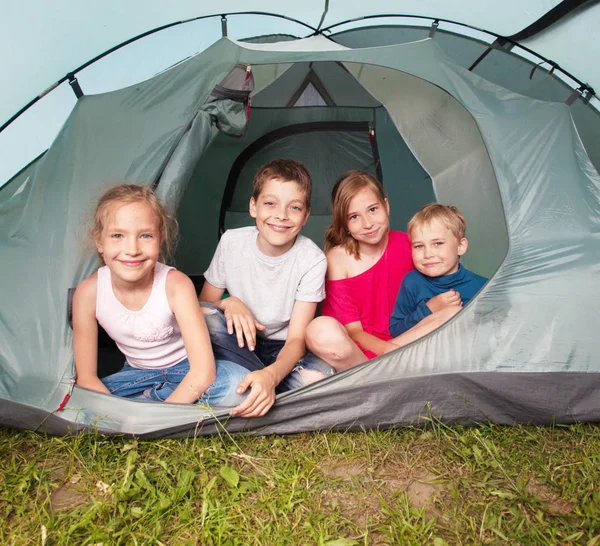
point(344, 190)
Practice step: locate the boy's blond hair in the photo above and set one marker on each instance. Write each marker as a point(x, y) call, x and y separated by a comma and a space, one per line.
point(450, 216)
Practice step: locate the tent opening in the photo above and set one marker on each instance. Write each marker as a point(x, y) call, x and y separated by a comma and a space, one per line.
point(416, 138)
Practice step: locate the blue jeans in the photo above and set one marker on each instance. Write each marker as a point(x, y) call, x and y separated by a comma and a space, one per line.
point(225, 346)
point(158, 384)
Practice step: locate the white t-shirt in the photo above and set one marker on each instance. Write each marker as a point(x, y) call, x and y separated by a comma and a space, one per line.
point(269, 286)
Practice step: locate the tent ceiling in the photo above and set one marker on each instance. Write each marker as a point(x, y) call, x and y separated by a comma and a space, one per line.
point(45, 40)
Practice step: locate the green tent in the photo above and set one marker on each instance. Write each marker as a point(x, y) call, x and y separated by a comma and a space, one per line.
point(409, 112)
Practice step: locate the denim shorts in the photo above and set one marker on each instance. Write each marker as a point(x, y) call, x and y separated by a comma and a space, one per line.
point(225, 346)
point(159, 383)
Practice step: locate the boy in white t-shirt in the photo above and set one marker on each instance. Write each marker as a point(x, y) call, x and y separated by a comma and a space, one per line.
point(275, 278)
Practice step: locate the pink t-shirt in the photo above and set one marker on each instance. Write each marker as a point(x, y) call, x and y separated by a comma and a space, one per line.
point(150, 337)
point(370, 296)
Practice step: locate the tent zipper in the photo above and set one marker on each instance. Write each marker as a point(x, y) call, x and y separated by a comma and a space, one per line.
point(67, 397)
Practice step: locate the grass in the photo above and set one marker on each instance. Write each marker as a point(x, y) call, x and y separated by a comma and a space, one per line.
point(434, 485)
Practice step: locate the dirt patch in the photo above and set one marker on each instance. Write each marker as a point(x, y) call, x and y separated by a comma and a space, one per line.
point(421, 490)
point(55, 470)
point(67, 492)
point(387, 481)
point(68, 496)
point(346, 470)
point(354, 506)
point(555, 504)
point(57, 475)
point(416, 481)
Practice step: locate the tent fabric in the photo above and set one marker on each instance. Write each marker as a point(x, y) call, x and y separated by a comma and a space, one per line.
point(498, 66)
point(70, 34)
point(515, 165)
point(526, 398)
point(74, 32)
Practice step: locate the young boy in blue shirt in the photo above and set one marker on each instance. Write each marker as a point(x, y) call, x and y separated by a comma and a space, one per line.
point(437, 236)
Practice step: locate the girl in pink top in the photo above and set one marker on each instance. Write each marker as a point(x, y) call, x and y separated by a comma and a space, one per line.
point(366, 263)
point(148, 308)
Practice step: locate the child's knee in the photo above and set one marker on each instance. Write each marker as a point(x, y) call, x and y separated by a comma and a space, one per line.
point(319, 333)
point(214, 318)
point(223, 392)
point(327, 338)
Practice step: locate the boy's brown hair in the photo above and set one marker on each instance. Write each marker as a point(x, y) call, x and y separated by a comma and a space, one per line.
point(450, 216)
point(287, 170)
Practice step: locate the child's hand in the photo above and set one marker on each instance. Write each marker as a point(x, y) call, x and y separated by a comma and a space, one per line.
point(240, 319)
point(261, 396)
point(446, 299)
point(92, 383)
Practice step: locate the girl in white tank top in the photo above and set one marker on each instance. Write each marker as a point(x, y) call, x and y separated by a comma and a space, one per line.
point(149, 309)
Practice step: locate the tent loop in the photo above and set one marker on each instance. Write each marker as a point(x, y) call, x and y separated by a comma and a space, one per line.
point(75, 85)
point(551, 71)
point(585, 93)
point(498, 43)
point(434, 27)
point(224, 25)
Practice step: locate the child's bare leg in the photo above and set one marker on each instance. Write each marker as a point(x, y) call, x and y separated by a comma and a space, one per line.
point(426, 326)
point(330, 341)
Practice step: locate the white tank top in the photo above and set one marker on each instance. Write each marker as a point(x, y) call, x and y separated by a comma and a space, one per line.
point(150, 337)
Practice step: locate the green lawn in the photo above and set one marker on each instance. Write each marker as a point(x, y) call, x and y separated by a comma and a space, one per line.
point(434, 485)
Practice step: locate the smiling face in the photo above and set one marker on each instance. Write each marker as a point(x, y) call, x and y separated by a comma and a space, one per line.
point(130, 242)
point(368, 219)
point(280, 211)
point(435, 249)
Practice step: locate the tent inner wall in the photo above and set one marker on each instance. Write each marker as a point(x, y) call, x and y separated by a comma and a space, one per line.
point(446, 141)
point(198, 213)
point(429, 146)
point(326, 153)
point(407, 184)
point(500, 66)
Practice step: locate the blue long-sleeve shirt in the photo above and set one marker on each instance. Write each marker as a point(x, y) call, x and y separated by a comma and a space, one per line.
point(417, 289)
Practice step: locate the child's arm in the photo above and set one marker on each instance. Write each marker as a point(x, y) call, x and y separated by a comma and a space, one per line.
point(411, 307)
point(239, 318)
point(426, 326)
point(408, 312)
point(263, 382)
point(368, 341)
point(85, 335)
point(181, 296)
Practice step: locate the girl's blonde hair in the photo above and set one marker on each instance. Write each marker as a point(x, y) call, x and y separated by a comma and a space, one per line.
point(343, 192)
point(123, 194)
